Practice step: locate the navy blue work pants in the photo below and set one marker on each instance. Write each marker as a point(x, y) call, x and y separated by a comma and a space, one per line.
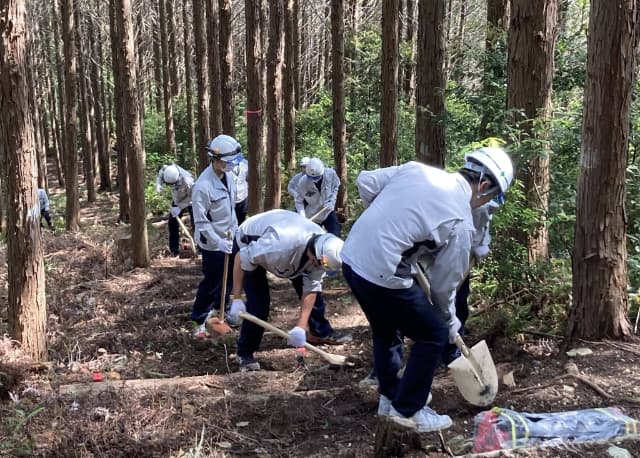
point(174, 231)
point(256, 288)
point(241, 210)
point(210, 288)
point(393, 313)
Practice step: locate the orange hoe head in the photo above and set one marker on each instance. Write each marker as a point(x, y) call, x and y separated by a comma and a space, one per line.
point(216, 327)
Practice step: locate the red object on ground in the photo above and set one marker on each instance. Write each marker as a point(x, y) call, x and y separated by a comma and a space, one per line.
point(97, 376)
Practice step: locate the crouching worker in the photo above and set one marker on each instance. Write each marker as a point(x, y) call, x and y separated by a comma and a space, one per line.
point(181, 183)
point(43, 200)
point(414, 210)
point(289, 246)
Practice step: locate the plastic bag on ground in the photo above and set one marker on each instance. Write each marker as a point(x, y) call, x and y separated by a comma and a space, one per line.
point(498, 428)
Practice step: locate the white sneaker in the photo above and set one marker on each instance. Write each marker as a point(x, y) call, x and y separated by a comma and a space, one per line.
point(384, 405)
point(200, 332)
point(424, 420)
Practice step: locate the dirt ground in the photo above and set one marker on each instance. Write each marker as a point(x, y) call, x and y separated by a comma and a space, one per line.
point(129, 324)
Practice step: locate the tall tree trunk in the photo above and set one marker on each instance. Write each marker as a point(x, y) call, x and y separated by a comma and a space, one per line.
point(600, 256)
point(199, 37)
point(140, 52)
point(72, 212)
point(295, 12)
point(430, 96)
point(59, 150)
point(409, 82)
point(337, 91)
point(59, 64)
point(254, 104)
point(389, 67)
point(274, 103)
point(26, 283)
point(40, 145)
point(215, 94)
point(188, 84)
point(133, 133)
point(173, 53)
point(530, 75)
point(123, 175)
point(226, 68)
point(289, 87)
point(169, 130)
point(96, 81)
point(85, 124)
point(157, 69)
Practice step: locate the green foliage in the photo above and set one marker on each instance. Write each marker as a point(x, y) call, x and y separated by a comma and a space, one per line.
point(17, 442)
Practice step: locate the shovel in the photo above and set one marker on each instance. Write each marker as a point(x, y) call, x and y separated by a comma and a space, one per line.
point(335, 360)
point(474, 372)
point(322, 210)
point(215, 324)
point(186, 232)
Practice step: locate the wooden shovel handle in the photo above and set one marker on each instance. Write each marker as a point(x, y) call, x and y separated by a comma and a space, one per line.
point(186, 232)
point(462, 346)
point(225, 275)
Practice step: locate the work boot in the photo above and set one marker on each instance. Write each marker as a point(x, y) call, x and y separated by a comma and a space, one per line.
point(200, 332)
point(424, 420)
point(335, 338)
point(248, 364)
point(384, 405)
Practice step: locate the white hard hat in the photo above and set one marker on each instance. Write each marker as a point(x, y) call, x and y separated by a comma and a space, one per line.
point(315, 167)
point(494, 162)
point(171, 174)
point(224, 147)
point(304, 161)
point(327, 248)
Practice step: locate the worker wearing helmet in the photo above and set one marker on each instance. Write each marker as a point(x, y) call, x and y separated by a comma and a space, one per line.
point(293, 182)
point(414, 211)
point(181, 183)
point(43, 201)
point(316, 193)
point(289, 246)
point(214, 198)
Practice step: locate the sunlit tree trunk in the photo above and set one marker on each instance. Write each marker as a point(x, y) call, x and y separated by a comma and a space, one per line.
point(169, 130)
point(202, 80)
point(530, 70)
point(132, 134)
point(186, 41)
point(274, 103)
point(289, 86)
point(338, 93)
point(213, 66)
point(409, 68)
point(430, 84)
point(254, 114)
point(226, 68)
point(27, 305)
point(389, 77)
point(600, 277)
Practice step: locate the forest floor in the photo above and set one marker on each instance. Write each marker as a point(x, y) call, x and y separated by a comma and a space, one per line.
point(108, 320)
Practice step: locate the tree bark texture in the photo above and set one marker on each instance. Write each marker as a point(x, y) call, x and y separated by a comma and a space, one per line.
point(188, 163)
point(116, 60)
point(600, 255)
point(226, 68)
point(530, 76)
point(389, 77)
point(409, 68)
point(173, 54)
point(132, 134)
point(59, 65)
point(289, 87)
point(26, 286)
point(202, 80)
point(167, 93)
point(274, 103)
point(213, 66)
point(338, 93)
point(72, 210)
point(254, 112)
point(430, 84)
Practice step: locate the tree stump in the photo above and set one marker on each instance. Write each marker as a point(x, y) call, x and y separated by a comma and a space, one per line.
point(395, 440)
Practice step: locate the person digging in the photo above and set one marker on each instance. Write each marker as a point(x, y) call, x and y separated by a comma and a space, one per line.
point(289, 246)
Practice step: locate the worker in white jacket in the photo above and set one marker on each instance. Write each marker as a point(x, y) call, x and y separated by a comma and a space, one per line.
point(415, 210)
point(293, 182)
point(214, 197)
point(43, 201)
point(289, 246)
point(316, 193)
point(181, 183)
point(240, 173)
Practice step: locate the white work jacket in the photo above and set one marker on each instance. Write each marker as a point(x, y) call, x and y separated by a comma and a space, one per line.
point(240, 172)
point(413, 211)
point(213, 209)
point(481, 221)
point(277, 241)
point(43, 200)
point(181, 189)
point(306, 190)
point(293, 183)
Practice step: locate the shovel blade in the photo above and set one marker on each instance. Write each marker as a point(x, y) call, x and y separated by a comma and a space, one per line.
point(476, 376)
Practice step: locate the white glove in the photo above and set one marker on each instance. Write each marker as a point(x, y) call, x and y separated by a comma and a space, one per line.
point(175, 211)
point(480, 252)
point(297, 337)
point(301, 213)
point(237, 306)
point(159, 188)
point(454, 327)
point(328, 208)
point(226, 246)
